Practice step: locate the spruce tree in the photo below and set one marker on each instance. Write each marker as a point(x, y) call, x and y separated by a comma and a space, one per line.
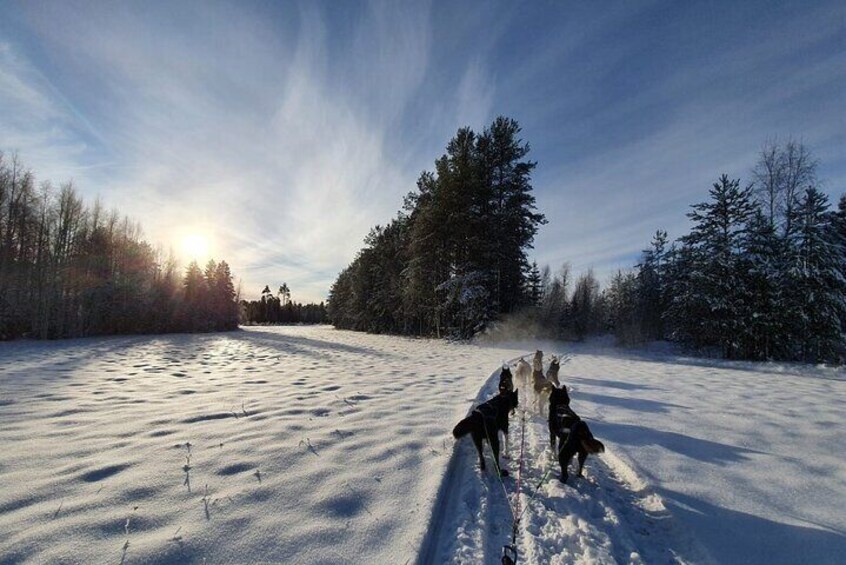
point(534, 288)
point(716, 301)
point(650, 287)
point(765, 335)
point(816, 277)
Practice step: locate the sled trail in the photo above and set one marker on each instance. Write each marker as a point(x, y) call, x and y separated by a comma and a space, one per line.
point(609, 516)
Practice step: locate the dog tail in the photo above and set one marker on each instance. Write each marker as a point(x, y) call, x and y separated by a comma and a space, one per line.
point(463, 427)
point(590, 443)
point(593, 445)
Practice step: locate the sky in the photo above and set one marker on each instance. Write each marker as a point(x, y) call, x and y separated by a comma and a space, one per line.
point(282, 132)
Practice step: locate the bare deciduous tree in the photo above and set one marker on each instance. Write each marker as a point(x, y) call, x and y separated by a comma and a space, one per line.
point(781, 175)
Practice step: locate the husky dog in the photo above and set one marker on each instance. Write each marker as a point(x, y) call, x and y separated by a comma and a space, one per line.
point(524, 371)
point(542, 390)
point(540, 385)
point(573, 434)
point(537, 361)
point(552, 372)
point(506, 382)
point(559, 403)
point(485, 423)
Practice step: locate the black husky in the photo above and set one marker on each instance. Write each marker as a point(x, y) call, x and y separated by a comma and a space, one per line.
point(506, 381)
point(485, 423)
point(572, 432)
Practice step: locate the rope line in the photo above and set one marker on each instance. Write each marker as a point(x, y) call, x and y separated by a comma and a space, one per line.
point(510, 551)
point(496, 465)
point(540, 484)
point(516, 524)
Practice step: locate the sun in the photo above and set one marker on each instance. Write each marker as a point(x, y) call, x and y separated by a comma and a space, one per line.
point(195, 246)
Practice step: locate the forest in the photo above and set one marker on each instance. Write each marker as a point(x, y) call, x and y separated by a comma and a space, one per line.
point(761, 274)
point(69, 270)
point(279, 308)
point(455, 257)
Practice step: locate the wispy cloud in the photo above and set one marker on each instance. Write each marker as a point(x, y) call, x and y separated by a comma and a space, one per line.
point(289, 130)
point(656, 149)
point(36, 120)
point(271, 143)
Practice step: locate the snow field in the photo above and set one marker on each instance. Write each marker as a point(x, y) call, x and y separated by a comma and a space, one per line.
point(310, 445)
point(315, 446)
point(746, 456)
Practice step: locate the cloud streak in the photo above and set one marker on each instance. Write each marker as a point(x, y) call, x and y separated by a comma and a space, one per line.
point(267, 145)
point(288, 131)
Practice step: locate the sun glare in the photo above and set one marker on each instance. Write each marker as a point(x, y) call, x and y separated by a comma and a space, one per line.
point(195, 246)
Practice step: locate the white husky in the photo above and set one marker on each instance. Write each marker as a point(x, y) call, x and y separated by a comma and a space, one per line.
point(523, 372)
point(540, 384)
point(552, 372)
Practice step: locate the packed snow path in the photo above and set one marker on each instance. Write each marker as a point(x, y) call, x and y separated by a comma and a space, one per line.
point(609, 516)
point(311, 445)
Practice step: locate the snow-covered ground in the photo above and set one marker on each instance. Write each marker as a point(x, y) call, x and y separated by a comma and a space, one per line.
point(311, 445)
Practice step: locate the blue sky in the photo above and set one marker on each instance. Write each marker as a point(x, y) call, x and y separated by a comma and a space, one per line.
point(284, 131)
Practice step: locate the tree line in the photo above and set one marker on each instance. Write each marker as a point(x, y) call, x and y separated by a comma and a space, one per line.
point(280, 309)
point(761, 274)
point(69, 270)
point(454, 258)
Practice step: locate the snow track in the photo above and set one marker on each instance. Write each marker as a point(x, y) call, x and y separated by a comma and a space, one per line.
point(609, 516)
point(460, 492)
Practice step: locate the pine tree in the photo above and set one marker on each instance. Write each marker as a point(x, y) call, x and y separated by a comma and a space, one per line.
point(765, 334)
point(390, 245)
point(622, 298)
point(534, 287)
point(839, 220)
point(817, 283)
point(339, 304)
point(471, 222)
point(650, 282)
point(284, 294)
point(225, 309)
point(511, 221)
point(195, 291)
point(679, 292)
point(428, 260)
point(717, 298)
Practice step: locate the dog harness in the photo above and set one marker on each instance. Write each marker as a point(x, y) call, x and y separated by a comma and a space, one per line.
point(506, 383)
point(565, 418)
point(487, 410)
